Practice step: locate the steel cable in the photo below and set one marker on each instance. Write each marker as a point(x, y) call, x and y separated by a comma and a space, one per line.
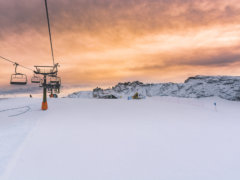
point(49, 31)
point(3, 58)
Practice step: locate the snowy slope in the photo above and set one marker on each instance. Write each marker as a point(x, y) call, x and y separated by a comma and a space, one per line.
point(151, 139)
point(226, 87)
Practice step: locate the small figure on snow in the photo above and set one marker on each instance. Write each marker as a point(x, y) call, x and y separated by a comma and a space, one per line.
point(215, 106)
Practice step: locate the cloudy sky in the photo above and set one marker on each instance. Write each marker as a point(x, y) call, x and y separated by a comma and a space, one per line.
point(101, 42)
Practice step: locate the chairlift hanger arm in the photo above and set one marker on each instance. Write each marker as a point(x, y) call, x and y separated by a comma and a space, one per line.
point(16, 65)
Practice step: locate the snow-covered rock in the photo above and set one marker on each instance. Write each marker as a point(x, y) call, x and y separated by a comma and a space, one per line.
point(81, 94)
point(226, 87)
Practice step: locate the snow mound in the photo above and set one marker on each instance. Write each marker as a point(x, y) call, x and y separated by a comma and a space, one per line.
point(81, 94)
point(226, 87)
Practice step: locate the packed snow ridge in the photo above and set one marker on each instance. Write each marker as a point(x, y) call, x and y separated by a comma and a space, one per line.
point(226, 87)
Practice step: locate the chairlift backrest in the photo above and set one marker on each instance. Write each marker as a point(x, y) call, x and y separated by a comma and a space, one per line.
point(18, 79)
point(36, 79)
point(55, 80)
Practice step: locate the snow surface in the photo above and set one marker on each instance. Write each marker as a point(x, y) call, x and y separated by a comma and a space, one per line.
point(160, 138)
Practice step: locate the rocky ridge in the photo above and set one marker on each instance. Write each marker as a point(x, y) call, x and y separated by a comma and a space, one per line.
point(226, 87)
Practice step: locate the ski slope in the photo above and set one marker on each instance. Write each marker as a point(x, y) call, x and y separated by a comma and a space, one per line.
point(160, 138)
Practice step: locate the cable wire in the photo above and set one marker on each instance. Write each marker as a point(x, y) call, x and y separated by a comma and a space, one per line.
point(49, 30)
point(50, 37)
point(3, 58)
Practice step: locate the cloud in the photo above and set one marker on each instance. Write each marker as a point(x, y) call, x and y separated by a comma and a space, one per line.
point(114, 19)
point(110, 40)
point(215, 57)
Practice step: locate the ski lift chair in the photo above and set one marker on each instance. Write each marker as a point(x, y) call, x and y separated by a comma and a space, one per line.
point(54, 89)
point(57, 90)
point(35, 79)
point(55, 80)
point(55, 83)
point(18, 78)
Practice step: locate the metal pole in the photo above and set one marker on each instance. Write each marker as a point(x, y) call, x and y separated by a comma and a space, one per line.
point(44, 103)
point(51, 93)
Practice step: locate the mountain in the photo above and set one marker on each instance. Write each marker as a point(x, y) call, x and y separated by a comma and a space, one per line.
point(16, 89)
point(226, 87)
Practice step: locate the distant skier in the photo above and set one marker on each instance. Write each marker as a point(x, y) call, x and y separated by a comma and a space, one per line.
point(30, 96)
point(215, 106)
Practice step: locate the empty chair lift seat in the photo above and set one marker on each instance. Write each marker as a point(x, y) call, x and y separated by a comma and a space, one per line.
point(18, 79)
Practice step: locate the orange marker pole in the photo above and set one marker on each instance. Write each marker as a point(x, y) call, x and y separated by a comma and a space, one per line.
point(44, 103)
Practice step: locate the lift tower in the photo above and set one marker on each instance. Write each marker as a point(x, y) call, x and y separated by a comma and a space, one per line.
point(45, 71)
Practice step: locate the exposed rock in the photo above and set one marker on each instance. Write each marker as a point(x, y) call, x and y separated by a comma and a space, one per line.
point(226, 87)
point(81, 94)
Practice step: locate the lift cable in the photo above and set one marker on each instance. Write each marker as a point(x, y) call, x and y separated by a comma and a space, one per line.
point(49, 30)
point(15, 63)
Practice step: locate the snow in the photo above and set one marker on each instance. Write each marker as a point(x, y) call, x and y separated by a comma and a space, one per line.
point(151, 139)
point(81, 94)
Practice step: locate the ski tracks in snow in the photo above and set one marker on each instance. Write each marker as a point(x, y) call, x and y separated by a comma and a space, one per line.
point(17, 127)
point(16, 111)
point(16, 156)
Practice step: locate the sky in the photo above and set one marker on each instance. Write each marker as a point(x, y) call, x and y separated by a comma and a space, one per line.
point(102, 42)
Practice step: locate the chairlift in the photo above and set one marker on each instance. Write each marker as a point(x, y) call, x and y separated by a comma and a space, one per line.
point(18, 78)
point(57, 90)
point(35, 79)
point(53, 88)
point(54, 79)
point(55, 83)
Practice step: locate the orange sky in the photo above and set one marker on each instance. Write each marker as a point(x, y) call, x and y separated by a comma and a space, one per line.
point(102, 42)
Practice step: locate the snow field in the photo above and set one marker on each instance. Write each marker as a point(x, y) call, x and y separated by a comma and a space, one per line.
point(156, 138)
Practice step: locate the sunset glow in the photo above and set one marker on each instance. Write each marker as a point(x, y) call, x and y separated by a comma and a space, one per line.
point(102, 42)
